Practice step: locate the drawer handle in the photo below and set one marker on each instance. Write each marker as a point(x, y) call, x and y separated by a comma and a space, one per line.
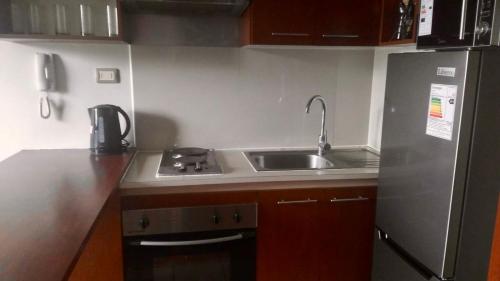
point(290, 34)
point(340, 36)
point(307, 201)
point(337, 200)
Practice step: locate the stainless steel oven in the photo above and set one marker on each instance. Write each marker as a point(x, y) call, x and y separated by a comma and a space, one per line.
point(209, 243)
point(458, 24)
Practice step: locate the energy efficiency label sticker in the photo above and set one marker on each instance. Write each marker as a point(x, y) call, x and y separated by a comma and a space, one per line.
point(426, 13)
point(441, 112)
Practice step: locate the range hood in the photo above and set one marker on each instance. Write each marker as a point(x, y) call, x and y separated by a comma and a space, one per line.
point(208, 7)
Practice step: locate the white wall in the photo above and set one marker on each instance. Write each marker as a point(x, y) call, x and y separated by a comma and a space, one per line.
point(249, 97)
point(220, 97)
point(378, 91)
point(20, 124)
point(254, 97)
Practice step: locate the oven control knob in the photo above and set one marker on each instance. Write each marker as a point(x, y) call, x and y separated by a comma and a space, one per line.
point(215, 219)
point(237, 217)
point(144, 222)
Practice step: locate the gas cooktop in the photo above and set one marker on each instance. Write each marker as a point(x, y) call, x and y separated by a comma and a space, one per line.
point(188, 161)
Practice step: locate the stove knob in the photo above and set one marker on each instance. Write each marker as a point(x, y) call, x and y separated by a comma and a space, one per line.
point(215, 219)
point(144, 222)
point(198, 167)
point(237, 217)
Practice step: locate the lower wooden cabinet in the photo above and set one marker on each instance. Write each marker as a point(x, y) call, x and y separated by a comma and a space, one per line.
point(101, 258)
point(346, 219)
point(307, 235)
point(287, 236)
point(494, 270)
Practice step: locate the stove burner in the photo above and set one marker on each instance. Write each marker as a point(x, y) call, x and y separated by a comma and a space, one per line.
point(188, 161)
point(181, 166)
point(181, 161)
point(188, 151)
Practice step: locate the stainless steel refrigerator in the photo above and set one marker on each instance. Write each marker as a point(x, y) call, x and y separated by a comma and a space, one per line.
point(440, 166)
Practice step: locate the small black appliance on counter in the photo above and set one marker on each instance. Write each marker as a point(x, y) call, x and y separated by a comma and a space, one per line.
point(105, 132)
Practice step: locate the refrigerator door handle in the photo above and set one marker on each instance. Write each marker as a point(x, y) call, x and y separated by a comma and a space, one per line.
point(411, 261)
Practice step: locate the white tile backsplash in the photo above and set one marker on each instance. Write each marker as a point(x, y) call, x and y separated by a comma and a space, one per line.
point(249, 97)
point(220, 97)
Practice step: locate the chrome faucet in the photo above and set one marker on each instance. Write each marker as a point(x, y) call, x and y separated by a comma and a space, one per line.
point(323, 145)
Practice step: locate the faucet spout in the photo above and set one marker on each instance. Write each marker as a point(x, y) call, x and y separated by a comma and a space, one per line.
point(323, 145)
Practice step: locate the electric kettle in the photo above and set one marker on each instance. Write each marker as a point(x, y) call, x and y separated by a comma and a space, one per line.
point(106, 136)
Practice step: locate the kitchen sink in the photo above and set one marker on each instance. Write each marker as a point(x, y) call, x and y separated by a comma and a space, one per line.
point(287, 160)
point(310, 160)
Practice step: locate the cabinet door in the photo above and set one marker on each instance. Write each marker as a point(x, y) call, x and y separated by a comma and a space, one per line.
point(5, 17)
point(287, 236)
point(494, 270)
point(61, 20)
point(282, 22)
point(347, 223)
point(340, 22)
point(101, 259)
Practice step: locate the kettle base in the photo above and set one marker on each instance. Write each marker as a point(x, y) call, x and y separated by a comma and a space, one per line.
point(103, 151)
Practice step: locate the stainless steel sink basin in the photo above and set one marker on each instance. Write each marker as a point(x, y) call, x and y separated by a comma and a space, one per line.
point(287, 160)
point(310, 160)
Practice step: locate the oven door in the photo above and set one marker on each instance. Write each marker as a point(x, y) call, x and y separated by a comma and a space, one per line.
point(446, 23)
point(207, 256)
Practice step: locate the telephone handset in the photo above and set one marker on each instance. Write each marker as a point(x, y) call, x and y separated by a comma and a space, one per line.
point(45, 80)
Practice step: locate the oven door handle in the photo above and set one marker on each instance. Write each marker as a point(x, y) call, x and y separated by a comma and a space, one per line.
point(238, 236)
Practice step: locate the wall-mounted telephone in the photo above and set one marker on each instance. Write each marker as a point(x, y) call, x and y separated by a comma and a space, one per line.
point(45, 80)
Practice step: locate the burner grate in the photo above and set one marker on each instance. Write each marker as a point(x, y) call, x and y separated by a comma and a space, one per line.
point(169, 165)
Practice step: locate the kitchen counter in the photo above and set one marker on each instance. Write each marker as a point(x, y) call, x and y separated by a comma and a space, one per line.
point(141, 177)
point(49, 202)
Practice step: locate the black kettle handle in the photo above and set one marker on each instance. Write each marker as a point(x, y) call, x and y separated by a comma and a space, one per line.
point(127, 121)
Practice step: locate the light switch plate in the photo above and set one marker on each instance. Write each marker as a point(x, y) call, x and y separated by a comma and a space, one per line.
point(108, 75)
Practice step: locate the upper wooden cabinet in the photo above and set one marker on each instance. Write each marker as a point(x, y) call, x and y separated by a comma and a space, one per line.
point(311, 22)
point(83, 20)
point(340, 22)
point(286, 22)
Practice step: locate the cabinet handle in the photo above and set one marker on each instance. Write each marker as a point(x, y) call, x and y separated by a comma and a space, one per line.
point(307, 201)
point(337, 200)
point(340, 36)
point(290, 34)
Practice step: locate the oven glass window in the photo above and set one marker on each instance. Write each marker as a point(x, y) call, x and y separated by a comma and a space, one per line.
point(225, 261)
point(194, 267)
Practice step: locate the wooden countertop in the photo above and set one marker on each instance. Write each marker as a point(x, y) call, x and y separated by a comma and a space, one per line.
point(49, 201)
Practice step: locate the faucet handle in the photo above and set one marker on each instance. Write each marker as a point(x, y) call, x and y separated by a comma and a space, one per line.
point(323, 139)
point(326, 147)
point(323, 148)
point(323, 145)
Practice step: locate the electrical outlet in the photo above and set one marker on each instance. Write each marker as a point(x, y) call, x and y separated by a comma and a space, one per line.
point(108, 75)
